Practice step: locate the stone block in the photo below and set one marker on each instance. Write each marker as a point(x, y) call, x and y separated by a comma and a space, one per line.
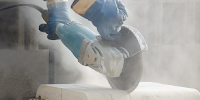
point(145, 91)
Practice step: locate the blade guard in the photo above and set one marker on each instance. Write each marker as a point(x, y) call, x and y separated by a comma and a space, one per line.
point(133, 41)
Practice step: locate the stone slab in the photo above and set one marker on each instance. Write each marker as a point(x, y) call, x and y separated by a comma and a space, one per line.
point(155, 91)
point(145, 91)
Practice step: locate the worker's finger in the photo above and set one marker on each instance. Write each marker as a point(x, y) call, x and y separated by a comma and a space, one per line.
point(43, 28)
point(53, 37)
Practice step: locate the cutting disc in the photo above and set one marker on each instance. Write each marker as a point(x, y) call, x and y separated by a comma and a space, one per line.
point(133, 41)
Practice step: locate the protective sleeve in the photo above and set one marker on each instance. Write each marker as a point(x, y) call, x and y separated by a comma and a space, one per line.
point(81, 6)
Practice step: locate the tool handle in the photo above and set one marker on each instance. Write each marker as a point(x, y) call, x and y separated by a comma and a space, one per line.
point(45, 15)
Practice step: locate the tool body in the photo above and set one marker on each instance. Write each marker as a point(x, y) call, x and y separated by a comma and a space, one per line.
point(120, 60)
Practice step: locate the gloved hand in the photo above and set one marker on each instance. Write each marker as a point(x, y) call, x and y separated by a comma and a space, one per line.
point(106, 15)
point(58, 13)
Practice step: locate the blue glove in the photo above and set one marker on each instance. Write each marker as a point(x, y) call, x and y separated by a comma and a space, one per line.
point(106, 15)
point(58, 13)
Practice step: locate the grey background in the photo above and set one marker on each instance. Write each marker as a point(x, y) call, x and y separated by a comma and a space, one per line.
point(23, 66)
point(22, 72)
point(170, 27)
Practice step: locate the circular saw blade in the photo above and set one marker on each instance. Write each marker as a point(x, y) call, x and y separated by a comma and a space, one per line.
point(133, 41)
point(130, 76)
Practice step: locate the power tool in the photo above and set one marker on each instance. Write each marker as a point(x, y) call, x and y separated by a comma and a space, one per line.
point(120, 60)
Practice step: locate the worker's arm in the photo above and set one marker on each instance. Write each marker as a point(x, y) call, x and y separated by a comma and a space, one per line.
point(58, 13)
point(106, 15)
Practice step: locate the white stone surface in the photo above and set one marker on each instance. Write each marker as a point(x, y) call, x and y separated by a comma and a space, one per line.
point(155, 91)
point(145, 91)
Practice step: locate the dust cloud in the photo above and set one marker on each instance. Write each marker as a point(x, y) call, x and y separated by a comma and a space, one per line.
point(67, 69)
point(168, 28)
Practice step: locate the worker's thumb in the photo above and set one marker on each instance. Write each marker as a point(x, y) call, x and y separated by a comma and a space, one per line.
point(43, 28)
